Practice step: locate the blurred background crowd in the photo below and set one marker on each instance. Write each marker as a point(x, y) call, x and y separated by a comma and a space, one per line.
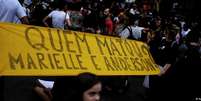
point(171, 29)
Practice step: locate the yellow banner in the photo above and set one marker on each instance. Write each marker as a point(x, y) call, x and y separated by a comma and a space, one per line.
point(39, 51)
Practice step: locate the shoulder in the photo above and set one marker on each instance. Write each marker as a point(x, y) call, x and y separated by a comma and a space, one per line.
point(53, 12)
point(125, 29)
point(10, 4)
point(138, 28)
point(124, 33)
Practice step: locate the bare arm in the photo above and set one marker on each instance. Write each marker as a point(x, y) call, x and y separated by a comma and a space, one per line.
point(45, 21)
point(164, 69)
point(24, 20)
point(44, 93)
point(68, 22)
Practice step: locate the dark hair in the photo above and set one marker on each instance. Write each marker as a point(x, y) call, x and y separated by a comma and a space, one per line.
point(72, 88)
point(84, 82)
point(131, 18)
point(60, 4)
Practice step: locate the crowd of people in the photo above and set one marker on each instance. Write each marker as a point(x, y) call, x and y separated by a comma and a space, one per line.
point(174, 41)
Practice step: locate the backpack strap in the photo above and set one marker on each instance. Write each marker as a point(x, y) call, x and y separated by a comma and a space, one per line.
point(130, 33)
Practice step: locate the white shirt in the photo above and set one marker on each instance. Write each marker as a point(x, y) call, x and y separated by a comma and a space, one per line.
point(10, 9)
point(130, 1)
point(58, 18)
point(27, 2)
point(47, 84)
point(134, 11)
point(136, 32)
point(17, 20)
point(183, 32)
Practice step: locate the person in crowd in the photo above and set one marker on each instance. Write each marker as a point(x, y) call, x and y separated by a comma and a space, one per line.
point(84, 87)
point(132, 31)
point(43, 89)
point(12, 10)
point(119, 23)
point(134, 10)
point(164, 55)
point(193, 59)
point(123, 88)
point(39, 9)
point(19, 88)
point(90, 22)
point(59, 17)
point(108, 22)
point(16, 88)
point(76, 17)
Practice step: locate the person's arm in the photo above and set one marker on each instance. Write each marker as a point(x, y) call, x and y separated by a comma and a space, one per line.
point(42, 91)
point(67, 21)
point(195, 44)
point(45, 21)
point(21, 14)
point(124, 34)
point(24, 20)
point(164, 69)
point(45, 94)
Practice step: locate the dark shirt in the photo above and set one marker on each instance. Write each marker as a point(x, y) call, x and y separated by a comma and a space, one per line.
point(19, 89)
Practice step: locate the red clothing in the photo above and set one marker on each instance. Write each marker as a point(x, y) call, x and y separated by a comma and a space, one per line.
point(109, 25)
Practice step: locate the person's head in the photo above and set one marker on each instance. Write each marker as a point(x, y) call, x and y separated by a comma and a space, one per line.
point(88, 87)
point(83, 87)
point(61, 5)
point(122, 18)
point(107, 11)
point(185, 27)
point(131, 18)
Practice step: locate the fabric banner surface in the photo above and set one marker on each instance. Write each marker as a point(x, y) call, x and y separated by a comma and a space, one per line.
point(41, 51)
